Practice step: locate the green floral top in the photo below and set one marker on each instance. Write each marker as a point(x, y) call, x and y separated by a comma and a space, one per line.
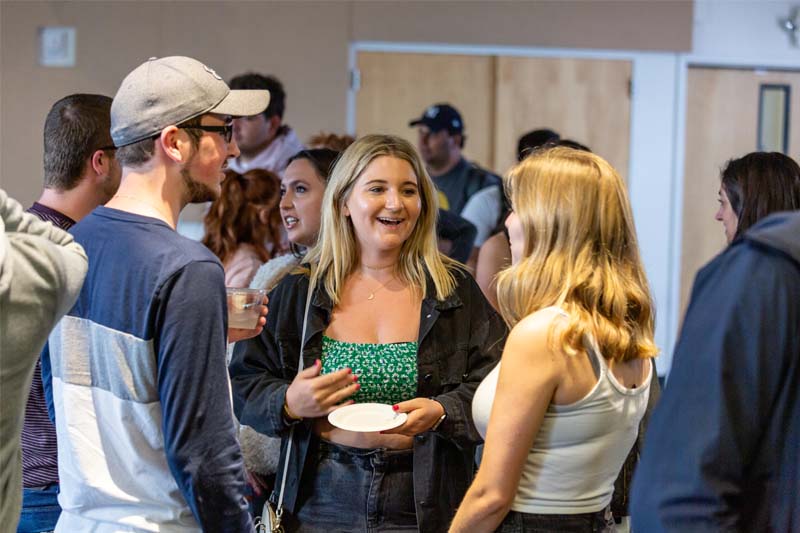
point(387, 372)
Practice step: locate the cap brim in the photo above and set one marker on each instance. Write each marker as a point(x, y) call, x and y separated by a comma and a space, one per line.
point(427, 123)
point(242, 103)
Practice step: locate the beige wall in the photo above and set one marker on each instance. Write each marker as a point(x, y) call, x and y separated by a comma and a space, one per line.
point(305, 43)
point(610, 24)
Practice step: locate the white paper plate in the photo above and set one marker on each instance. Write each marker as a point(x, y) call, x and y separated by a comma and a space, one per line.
point(366, 417)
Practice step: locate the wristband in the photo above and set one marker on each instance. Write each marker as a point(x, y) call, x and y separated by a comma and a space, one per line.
point(439, 422)
point(289, 414)
point(441, 418)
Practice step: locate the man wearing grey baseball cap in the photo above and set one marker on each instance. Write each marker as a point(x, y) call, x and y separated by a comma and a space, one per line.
point(146, 439)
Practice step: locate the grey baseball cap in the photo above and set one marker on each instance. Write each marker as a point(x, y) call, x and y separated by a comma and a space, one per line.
point(170, 90)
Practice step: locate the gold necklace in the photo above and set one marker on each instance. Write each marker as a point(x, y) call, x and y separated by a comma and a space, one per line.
point(148, 204)
point(383, 286)
point(378, 269)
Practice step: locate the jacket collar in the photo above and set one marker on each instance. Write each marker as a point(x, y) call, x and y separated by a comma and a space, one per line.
point(450, 302)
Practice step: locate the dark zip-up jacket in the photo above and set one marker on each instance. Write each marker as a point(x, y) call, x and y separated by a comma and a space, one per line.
point(460, 341)
point(723, 447)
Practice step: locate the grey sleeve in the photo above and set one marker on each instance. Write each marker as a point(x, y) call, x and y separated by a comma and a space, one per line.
point(46, 266)
point(41, 273)
point(483, 210)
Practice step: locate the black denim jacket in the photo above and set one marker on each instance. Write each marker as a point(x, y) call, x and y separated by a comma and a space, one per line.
point(460, 341)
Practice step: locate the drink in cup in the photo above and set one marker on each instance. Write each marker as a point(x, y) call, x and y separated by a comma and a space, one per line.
point(244, 307)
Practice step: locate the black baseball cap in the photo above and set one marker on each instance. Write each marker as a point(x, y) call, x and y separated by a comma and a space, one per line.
point(440, 117)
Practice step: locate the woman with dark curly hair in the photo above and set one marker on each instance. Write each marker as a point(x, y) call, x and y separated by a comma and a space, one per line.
point(243, 225)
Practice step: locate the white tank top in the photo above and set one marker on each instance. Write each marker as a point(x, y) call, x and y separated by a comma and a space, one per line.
point(579, 449)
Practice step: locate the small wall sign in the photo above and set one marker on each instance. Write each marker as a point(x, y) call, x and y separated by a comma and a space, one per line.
point(57, 46)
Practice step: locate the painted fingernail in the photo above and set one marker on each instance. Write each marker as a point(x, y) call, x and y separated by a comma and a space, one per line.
point(396, 407)
point(317, 362)
point(358, 386)
point(355, 377)
point(349, 370)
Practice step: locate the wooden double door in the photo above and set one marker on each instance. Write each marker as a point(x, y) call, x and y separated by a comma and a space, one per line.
point(500, 98)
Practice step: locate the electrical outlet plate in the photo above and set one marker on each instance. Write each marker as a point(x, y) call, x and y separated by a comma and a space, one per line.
point(57, 46)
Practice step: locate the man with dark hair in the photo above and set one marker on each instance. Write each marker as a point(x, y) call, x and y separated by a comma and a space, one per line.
point(534, 139)
point(80, 173)
point(139, 382)
point(440, 140)
point(722, 451)
point(264, 140)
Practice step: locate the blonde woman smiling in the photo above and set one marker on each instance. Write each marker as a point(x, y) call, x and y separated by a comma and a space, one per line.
point(562, 409)
point(391, 321)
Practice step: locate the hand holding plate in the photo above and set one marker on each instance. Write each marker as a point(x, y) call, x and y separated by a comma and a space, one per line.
point(423, 413)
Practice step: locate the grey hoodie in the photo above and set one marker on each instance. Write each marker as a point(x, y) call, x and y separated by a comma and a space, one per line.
point(41, 273)
point(723, 447)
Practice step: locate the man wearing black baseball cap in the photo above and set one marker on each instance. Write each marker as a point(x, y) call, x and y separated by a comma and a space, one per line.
point(440, 141)
point(146, 439)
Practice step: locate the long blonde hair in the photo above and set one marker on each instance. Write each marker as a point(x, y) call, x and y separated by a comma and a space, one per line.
point(579, 253)
point(336, 251)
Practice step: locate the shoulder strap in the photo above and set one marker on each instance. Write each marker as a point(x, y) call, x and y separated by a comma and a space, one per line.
point(279, 509)
point(479, 178)
point(305, 315)
point(593, 353)
point(474, 180)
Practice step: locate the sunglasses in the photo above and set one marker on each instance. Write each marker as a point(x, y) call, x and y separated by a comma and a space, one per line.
point(225, 131)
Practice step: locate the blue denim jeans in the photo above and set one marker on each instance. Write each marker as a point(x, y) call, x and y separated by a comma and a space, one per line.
point(599, 522)
point(40, 510)
point(351, 489)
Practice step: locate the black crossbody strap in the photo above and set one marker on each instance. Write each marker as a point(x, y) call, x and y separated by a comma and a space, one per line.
point(300, 366)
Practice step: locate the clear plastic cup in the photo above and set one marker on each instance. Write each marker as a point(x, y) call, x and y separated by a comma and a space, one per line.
point(244, 307)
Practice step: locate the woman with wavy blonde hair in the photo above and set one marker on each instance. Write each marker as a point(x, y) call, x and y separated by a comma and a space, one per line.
point(562, 409)
point(391, 321)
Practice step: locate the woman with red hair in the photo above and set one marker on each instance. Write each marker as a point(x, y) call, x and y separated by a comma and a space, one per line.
point(243, 225)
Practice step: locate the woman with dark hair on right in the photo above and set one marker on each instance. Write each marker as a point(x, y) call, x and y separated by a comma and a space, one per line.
point(562, 409)
point(302, 188)
point(754, 186)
